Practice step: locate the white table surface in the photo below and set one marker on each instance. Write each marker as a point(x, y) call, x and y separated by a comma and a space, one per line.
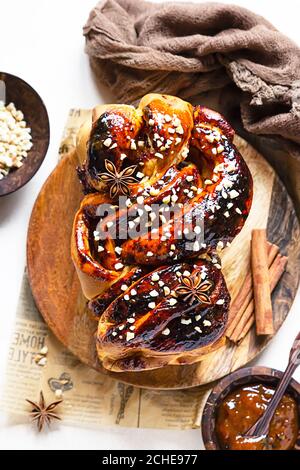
point(41, 41)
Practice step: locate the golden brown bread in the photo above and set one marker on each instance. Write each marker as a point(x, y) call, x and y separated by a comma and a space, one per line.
point(182, 159)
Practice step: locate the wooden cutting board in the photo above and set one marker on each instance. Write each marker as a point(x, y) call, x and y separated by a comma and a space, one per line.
point(58, 295)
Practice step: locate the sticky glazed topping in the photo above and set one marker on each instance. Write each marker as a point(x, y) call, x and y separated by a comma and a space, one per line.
point(242, 408)
point(165, 184)
point(173, 309)
point(197, 170)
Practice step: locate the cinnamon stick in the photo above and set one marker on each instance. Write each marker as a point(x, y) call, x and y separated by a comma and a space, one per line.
point(246, 329)
point(242, 300)
point(247, 319)
point(273, 251)
point(261, 283)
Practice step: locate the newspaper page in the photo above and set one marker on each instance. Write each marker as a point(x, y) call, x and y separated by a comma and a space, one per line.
point(90, 398)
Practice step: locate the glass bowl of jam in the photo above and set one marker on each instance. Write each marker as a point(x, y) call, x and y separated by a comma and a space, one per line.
point(237, 402)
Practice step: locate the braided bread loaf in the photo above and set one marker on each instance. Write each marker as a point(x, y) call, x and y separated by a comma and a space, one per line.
point(165, 186)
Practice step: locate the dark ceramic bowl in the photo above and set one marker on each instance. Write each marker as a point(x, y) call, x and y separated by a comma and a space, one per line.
point(30, 103)
point(247, 376)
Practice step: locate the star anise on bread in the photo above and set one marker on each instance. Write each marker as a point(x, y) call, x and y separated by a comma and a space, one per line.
point(119, 181)
point(41, 413)
point(194, 289)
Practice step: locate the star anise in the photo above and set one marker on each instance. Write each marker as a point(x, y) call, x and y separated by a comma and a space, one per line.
point(194, 289)
point(119, 180)
point(43, 414)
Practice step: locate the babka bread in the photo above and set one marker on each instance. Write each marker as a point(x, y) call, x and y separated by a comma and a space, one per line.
point(165, 187)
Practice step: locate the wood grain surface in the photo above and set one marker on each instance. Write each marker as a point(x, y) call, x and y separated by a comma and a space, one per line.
point(58, 295)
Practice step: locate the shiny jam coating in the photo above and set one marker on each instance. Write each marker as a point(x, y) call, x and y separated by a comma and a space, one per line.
point(184, 159)
point(150, 315)
point(242, 408)
point(179, 158)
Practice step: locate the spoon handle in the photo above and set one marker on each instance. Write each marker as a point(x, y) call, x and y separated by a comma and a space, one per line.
point(2, 91)
point(261, 426)
point(295, 351)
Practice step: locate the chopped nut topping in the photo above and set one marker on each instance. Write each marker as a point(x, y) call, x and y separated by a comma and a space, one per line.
point(153, 293)
point(107, 142)
point(129, 336)
point(185, 322)
point(167, 290)
point(15, 139)
point(119, 266)
point(233, 194)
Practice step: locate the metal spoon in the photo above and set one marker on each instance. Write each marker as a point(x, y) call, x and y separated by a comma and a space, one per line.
point(261, 427)
point(2, 91)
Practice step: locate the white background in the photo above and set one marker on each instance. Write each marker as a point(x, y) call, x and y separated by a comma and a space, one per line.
point(41, 41)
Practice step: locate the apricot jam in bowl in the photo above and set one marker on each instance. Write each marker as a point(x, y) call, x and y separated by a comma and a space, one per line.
point(237, 402)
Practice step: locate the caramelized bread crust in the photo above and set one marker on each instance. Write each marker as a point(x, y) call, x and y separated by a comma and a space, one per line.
point(169, 153)
point(147, 327)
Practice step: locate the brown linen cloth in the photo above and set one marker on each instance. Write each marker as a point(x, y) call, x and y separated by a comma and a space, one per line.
point(191, 49)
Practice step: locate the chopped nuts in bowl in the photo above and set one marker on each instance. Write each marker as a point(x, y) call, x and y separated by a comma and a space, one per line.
point(15, 138)
point(24, 133)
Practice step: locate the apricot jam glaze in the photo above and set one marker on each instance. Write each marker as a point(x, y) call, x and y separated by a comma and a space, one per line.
point(242, 408)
